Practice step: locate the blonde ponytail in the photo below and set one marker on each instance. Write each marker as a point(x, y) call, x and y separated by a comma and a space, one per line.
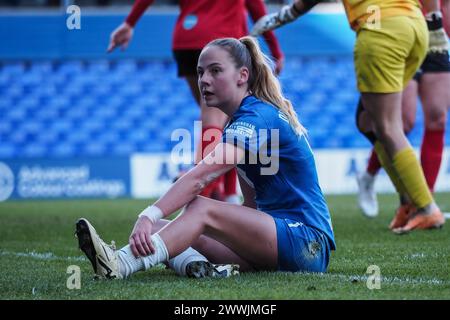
point(262, 82)
point(265, 86)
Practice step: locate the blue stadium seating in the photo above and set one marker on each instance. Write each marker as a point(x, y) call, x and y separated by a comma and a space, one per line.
point(97, 108)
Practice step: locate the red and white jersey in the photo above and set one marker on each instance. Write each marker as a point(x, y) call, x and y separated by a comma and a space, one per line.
point(201, 21)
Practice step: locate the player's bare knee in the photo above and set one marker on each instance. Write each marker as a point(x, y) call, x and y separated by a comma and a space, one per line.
point(408, 125)
point(385, 132)
point(201, 244)
point(158, 225)
point(364, 125)
point(436, 119)
point(198, 207)
point(204, 209)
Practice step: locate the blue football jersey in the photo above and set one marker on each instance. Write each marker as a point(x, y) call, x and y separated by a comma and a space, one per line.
point(279, 165)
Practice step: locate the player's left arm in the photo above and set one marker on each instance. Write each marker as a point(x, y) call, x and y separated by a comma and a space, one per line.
point(257, 9)
point(123, 34)
point(446, 15)
point(286, 14)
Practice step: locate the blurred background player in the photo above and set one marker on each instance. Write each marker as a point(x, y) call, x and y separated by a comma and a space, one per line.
point(432, 84)
point(199, 22)
point(391, 44)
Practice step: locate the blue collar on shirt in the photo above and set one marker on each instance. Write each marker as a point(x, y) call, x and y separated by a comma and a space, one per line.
point(246, 101)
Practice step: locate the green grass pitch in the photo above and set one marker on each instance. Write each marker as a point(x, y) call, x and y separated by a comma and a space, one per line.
point(37, 245)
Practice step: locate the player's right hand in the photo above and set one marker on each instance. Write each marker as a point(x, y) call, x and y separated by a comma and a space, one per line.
point(120, 37)
point(140, 239)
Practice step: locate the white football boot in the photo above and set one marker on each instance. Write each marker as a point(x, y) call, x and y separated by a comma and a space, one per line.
point(205, 269)
point(367, 198)
point(103, 257)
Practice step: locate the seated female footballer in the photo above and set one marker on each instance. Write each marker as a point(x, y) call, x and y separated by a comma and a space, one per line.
point(283, 224)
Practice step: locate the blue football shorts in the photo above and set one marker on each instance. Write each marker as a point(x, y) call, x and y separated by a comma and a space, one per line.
point(300, 247)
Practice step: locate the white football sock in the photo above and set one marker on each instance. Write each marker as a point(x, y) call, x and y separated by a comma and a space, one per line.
point(160, 255)
point(179, 263)
point(129, 264)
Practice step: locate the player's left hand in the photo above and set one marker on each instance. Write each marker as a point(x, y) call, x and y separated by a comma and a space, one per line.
point(438, 41)
point(274, 20)
point(140, 239)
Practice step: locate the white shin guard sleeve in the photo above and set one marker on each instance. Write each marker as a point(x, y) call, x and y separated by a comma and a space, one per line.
point(129, 264)
point(179, 263)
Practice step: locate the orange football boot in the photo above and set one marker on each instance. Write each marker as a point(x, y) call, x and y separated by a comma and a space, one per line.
point(401, 216)
point(422, 221)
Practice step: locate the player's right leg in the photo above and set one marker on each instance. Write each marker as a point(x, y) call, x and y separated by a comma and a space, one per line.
point(246, 232)
point(103, 257)
point(230, 187)
point(367, 197)
point(367, 200)
point(409, 108)
point(213, 120)
point(435, 97)
point(205, 258)
point(242, 231)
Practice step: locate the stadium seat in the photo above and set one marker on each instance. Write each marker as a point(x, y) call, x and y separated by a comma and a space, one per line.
point(101, 107)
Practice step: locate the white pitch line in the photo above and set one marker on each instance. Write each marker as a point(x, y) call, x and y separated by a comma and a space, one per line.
point(361, 278)
point(446, 215)
point(40, 256)
point(389, 280)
